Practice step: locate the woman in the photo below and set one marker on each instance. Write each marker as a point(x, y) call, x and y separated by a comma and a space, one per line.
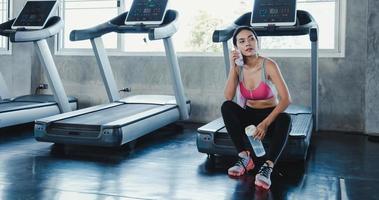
point(260, 83)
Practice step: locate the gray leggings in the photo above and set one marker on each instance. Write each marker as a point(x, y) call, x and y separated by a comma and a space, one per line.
point(237, 118)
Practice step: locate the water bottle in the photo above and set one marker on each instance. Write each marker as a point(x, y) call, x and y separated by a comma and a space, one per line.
point(255, 143)
point(239, 60)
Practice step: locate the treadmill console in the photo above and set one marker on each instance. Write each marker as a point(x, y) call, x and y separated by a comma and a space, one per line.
point(273, 13)
point(35, 14)
point(146, 12)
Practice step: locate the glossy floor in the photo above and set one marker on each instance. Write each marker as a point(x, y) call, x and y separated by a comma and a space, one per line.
point(166, 165)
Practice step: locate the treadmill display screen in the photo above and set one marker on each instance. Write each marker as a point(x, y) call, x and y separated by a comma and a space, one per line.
point(35, 13)
point(273, 11)
point(147, 11)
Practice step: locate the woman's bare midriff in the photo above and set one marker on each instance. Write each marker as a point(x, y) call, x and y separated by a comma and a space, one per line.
point(260, 104)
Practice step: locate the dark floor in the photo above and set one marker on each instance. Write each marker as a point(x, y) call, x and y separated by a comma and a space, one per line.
point(166, 165)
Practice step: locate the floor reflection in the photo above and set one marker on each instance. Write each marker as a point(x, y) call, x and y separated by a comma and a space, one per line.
point(166, 165)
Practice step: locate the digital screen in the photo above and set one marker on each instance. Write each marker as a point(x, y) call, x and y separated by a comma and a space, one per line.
point(35, 13)
point(147, 10)
point(271, 11)
point(274, 11)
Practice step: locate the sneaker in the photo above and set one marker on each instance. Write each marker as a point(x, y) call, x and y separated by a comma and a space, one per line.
point(262, 179)
point(244, 164)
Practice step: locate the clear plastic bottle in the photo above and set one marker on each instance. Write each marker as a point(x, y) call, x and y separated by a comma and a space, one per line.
point(239, 60)
point(257, 145)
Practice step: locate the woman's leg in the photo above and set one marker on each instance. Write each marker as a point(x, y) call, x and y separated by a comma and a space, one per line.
point(278, 133)
point(236, 119)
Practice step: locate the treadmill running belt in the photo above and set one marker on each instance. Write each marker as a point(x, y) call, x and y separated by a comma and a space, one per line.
point(300, 124)
point(107, 115)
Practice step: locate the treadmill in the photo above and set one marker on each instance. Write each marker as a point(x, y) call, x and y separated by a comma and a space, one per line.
point(27, 108)
point(122, 120)
point(213, 138)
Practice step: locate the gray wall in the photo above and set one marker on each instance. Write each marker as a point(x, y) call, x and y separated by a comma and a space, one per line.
point(17, 68)
point(347, 85)
point(372, 70)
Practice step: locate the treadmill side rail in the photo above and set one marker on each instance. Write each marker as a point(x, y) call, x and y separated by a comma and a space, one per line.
point(213, 126)
point(139, 128)
point(150, 99)
point(30, 113)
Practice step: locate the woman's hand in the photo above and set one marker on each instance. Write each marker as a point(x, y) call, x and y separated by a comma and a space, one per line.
point(261, 130)
point(234, 55)
point(232, 82)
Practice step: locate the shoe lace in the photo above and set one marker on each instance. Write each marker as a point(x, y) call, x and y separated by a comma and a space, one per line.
point(241, 162)
point(265, 170)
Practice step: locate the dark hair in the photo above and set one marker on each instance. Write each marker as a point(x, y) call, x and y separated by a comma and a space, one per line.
point(241, 28)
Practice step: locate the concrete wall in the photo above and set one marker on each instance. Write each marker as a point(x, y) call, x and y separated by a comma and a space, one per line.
point(372, 70)
point(347, 97)
point(18, 67)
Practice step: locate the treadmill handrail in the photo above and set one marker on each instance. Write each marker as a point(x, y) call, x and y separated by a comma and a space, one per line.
point(52, 27)
point(164, 30)
point(305, 24)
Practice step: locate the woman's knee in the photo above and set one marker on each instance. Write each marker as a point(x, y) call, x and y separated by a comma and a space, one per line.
point(284, 118)
point(227, 106)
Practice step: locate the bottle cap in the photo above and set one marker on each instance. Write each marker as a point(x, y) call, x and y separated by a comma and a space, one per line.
point(250, 130)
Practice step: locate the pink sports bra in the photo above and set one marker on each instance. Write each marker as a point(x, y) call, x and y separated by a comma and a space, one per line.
point(262, 92)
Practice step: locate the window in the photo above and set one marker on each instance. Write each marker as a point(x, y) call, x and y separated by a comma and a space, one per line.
point(4, 16)
point(329, 14)
point(80, 14)
point(197, 24)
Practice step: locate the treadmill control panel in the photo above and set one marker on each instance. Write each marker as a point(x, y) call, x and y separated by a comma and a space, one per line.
point(147, 11)
point(273, 11)
point(35, 14)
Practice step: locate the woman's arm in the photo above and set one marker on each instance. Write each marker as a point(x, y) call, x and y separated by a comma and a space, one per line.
point(276, 77)
point(232, 81)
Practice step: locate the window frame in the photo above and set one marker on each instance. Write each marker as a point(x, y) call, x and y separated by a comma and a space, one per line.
point(8, 49)
point(339, 38)
point(338, 51)
point(59, 38)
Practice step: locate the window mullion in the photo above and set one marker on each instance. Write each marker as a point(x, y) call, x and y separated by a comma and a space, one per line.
point(6, 14)
point(340, 25)
point(61, 12)
point(336, 21)
point(120, 37)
